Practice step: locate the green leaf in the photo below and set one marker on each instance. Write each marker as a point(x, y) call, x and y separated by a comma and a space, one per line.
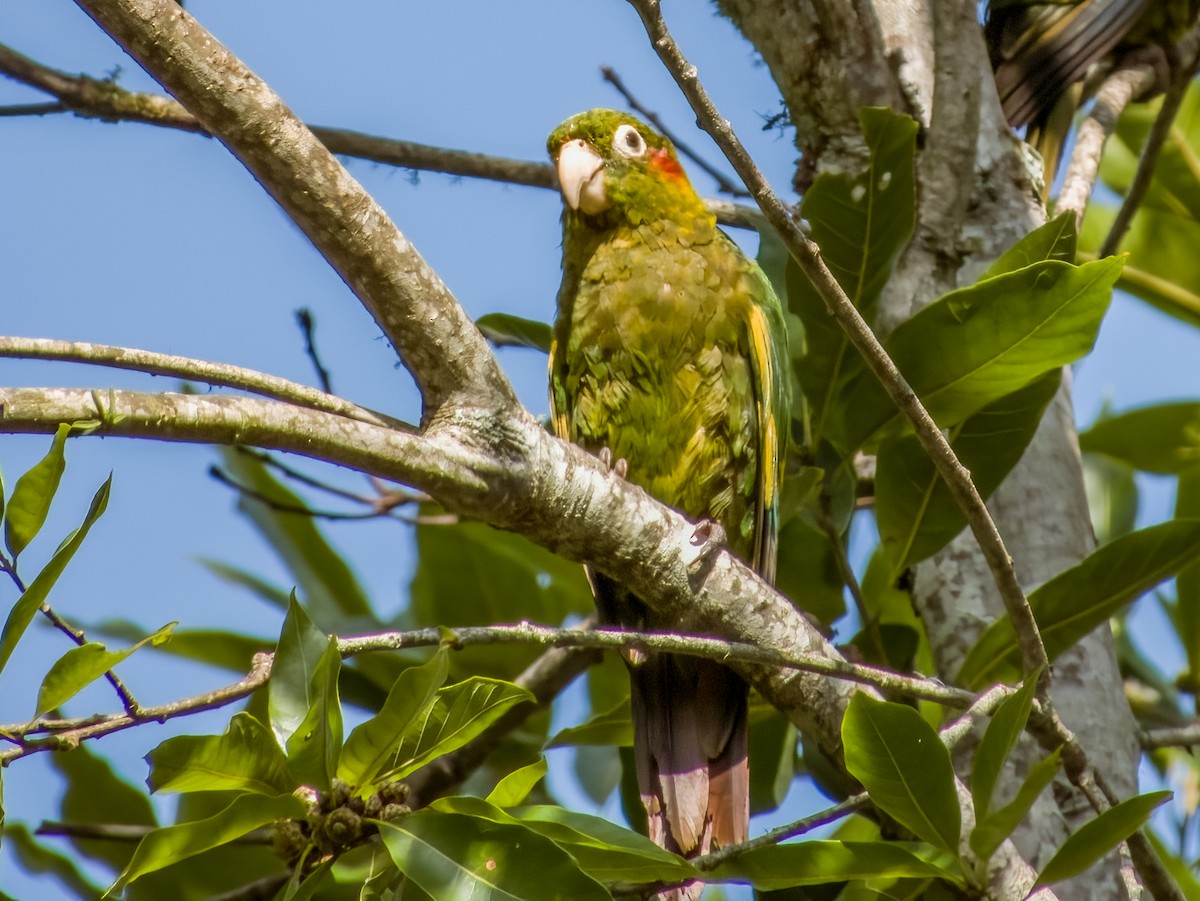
point(975, 345)
point(609, 727)
point(1005, 727)
point(1097, 837)
point(819, 862)
point(905, 768)
point(916, 514)
point(1179, 869)
point(862, 222)
point(772, 758)
point(329, 586)
point(506, 330)
point(808, 571)
point(454, 856)
point(604, 850)
point(1055, 240)
point(1077, 600)
point(170, 844)
point(301, 644)
point(35, 858)
point(252, 582)
point(1112, 497)
point(369, 746)
point(246, 758)
point(989, 832)
point(516, 786)
point(1164, 438)
point(35, 595)
point(31, 497)
point(81, 666)
point(314, 748)
point(459, 713)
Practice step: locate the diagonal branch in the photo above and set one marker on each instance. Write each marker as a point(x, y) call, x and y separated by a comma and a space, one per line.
point(438, 343)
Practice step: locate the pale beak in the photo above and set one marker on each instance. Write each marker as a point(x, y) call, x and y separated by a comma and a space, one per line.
point(581, 177)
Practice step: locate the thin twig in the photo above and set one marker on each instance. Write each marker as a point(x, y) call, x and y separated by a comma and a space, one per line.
point(385, 499)
point(216, 374)
point(724, 184)
point(304, 318)
point(1148, 160)
point(127, 832)
point(853, 804)
point(279, 506)
point(104, 100)
point(32, 109)
point(1186, 736)
point(807, 255)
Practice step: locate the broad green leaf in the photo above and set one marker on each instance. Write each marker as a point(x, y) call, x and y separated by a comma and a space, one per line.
point(170, 844)
point(1179, 869)
point(516, 786)
point(610, 727)
point(1097, 837)
point(470, 574)
point(1187, 581)
point(300, 646)
point(1003, 731)
point(96, 794)
point(506, 330)
point(1176, 183)
point(916, 514)
point(819, 862)
point(1055, 240)
point(81, 666)
point(35, 858)
point(252, 582)
point(369, 746)
point(772, 758)
point(998, 825)
point(1163, 438)
point(458, 713)
point(31, 497)
point(1079, 599)
point(246, 758)
point(602, 849)
point(905, 768)
point(977, 344)
point(227, 650)
point(38, 590)
point(314, 748)
point(1112, 497)
point(454, 856)
point(861, 223)
point(329, 586)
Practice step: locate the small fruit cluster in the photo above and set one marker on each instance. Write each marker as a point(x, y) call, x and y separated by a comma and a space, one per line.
point(337, 820)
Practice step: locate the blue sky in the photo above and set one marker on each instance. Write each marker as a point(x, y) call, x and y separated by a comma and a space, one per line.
point(136, 236)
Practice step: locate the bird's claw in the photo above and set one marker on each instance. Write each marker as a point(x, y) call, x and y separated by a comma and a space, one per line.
point(619, 468)
point(708, 537)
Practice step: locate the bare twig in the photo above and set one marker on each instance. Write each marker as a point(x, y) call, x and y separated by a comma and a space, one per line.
point(724, 184)
point(1186, 736)
point(283, 507)
point(126, 832)
point(102, 99)
point(217, 374)
point(808, 257)
point(1116, 93)
point(31, 109)
point(304, 319)
point(385, 499)
point(1148, 160)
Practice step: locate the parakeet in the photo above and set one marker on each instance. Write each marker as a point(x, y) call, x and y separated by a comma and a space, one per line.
point(670, 352)
point(1042, 49)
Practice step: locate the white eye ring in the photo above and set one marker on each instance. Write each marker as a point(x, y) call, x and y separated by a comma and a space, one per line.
point(628, 142)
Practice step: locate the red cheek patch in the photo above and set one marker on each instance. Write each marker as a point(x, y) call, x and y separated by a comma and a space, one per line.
point(662, 161)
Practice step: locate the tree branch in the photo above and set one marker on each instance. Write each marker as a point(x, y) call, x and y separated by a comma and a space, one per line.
point(438, 343)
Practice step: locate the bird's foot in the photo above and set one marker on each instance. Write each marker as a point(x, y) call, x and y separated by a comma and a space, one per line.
point(708, 537)
point(1158, 59)
point(619, 468)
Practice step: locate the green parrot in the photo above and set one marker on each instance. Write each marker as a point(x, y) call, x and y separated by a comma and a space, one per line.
point(1041, 51)
point(670, 352)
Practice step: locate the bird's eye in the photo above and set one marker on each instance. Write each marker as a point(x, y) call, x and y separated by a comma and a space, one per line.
point(627, 141)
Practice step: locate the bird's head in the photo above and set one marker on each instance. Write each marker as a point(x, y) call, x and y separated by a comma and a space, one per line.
point(613, 167)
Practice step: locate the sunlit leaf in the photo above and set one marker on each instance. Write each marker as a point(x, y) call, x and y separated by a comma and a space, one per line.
point(1097, 837)
point(1003, 731)
point(1055, 240)
point(609, 727)
point(245, 757)
point(516, 786)
point(369, 747)
point(905, 768)
point(38, 590)
point(300, 646)
point(314, 748)
point(1077, 600)
point(165, 846)
point(31, 497)
point(454, 856)
point(998, 825)
point(506, 330)
point(819, 862)
point(1162, 438)
point(81, 666)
